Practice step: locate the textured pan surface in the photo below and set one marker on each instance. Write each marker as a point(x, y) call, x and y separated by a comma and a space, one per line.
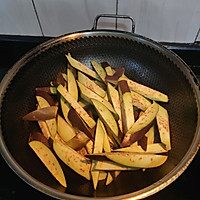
point(145, 62)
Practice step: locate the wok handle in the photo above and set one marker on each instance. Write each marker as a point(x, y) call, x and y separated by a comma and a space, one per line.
point(116, 17)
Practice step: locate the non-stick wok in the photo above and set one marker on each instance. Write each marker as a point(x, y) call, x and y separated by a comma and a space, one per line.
point(146, 62)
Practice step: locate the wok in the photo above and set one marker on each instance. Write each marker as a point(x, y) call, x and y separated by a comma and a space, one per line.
point(146, 62)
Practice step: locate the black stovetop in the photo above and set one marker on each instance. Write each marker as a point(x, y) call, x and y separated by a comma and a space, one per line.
point(186, 187)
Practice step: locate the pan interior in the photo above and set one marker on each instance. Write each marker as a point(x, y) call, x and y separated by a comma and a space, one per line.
point(142, 63)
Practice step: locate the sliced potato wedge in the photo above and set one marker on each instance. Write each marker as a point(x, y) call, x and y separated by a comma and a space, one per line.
point(65, 107)
point(151, 148)
point(99, 69)
point(72, 85)
point(163, 127)
point(83, 68)
point(139, 101)
point(44, 128)
point(147, 91)
point(98, 147)
point(112, 166)
point(72, 159)
point(84, 115)
point(127, 111)
point(88, 94)
point(65, 130)
point(146, 118)
point(107, 117)
point(115, 99)
point(49, 160)
point(137, 159)
point(141, 126)
point(90, 84)
point(51, 123)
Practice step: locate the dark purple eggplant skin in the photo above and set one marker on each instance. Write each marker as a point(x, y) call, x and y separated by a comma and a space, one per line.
point(77, 122)
point(78, 141)
point(100, 157)
point(104, 64)
point(112, 173)
point(41, 114)
point(43, 89)
point(59, 80)
point(123, 85)
point(118, 73)
point(143, 142)
point(136, 136)
point(92, 130)
point(37, 136)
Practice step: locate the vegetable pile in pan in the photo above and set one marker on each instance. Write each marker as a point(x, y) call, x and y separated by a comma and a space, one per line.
point(99, 123)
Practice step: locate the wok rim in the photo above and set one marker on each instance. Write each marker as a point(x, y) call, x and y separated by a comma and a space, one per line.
point(142, 193)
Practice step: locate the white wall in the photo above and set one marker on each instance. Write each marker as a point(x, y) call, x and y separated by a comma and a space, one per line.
point(63, 16)
point(164, 20)
point(161, 20)
point(18, 17)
